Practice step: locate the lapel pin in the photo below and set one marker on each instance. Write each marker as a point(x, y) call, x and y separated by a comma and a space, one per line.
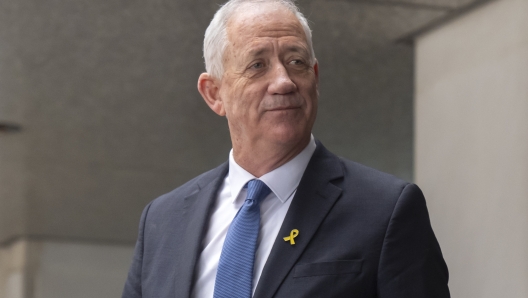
point(293, 234)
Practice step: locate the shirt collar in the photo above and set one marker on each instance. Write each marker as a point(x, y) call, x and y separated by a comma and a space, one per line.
point(282, 181)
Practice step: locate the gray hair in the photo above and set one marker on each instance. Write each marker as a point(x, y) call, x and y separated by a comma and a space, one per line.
point(215, 41)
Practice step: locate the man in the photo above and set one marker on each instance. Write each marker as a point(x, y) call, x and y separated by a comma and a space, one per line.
point(283, 217)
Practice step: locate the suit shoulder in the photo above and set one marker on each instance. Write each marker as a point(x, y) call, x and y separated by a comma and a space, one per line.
point(376, 193)
point(192, 186)
point(371, 179)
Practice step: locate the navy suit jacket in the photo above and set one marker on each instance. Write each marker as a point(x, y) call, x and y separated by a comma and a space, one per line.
point(362, 233)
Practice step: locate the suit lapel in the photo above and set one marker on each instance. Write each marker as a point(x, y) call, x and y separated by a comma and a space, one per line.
point(196, 212)
point(313, 200)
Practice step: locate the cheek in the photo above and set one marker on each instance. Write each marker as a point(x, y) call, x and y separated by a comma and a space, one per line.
point(309, 92)
point(235, 101)
point(245, 99)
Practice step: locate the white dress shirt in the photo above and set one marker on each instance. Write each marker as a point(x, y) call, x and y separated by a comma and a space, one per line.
point(283, 183)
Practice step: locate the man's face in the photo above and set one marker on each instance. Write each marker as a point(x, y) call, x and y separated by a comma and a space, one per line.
point(269, 88)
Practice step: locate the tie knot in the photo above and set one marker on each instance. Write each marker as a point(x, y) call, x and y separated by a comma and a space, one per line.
point(257, 190)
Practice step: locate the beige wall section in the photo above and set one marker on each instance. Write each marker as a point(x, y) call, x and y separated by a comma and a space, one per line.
point(47, 269)
point(471, 146)
point(12, 268)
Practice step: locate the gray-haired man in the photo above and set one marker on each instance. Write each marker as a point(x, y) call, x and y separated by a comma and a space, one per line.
point(283, 217)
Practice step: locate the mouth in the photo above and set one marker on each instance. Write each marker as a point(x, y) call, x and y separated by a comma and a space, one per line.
point(284, 108)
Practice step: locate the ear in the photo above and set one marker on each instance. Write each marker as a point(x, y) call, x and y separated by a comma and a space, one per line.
point(209, 88)
point(316, 71)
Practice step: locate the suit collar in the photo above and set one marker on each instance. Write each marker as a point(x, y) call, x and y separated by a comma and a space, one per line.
point(196, 219)
point(314, 198)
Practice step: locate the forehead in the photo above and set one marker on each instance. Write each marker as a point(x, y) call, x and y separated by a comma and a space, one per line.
point(261, 20)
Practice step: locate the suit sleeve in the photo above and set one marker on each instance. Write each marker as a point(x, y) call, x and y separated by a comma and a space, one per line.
point(133, 283)
point(411, 263)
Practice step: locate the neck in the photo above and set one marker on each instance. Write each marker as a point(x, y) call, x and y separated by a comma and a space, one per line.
point(261, 159)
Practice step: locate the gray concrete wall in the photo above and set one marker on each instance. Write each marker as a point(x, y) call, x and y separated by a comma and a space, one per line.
point(105, 94)
point(43, 269)
point(471, 152)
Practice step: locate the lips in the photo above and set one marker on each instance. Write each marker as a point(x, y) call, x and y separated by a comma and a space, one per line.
point(284, 108)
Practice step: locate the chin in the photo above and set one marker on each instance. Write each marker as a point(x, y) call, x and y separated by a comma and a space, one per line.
point(288, 136)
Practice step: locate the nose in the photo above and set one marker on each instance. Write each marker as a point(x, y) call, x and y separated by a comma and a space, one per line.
point(281, 82)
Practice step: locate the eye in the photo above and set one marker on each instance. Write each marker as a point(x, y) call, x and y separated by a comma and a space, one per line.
point(257, 65)
point(296, 62)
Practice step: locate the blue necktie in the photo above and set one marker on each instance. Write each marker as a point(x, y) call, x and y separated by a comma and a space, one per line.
point(234, 278)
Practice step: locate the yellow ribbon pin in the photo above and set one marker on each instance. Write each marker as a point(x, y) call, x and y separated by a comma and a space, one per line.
point(293, 234)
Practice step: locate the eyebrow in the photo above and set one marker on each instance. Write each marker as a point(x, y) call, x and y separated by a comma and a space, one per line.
point(296, 49)
point(291, 48)
point(258, 51)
